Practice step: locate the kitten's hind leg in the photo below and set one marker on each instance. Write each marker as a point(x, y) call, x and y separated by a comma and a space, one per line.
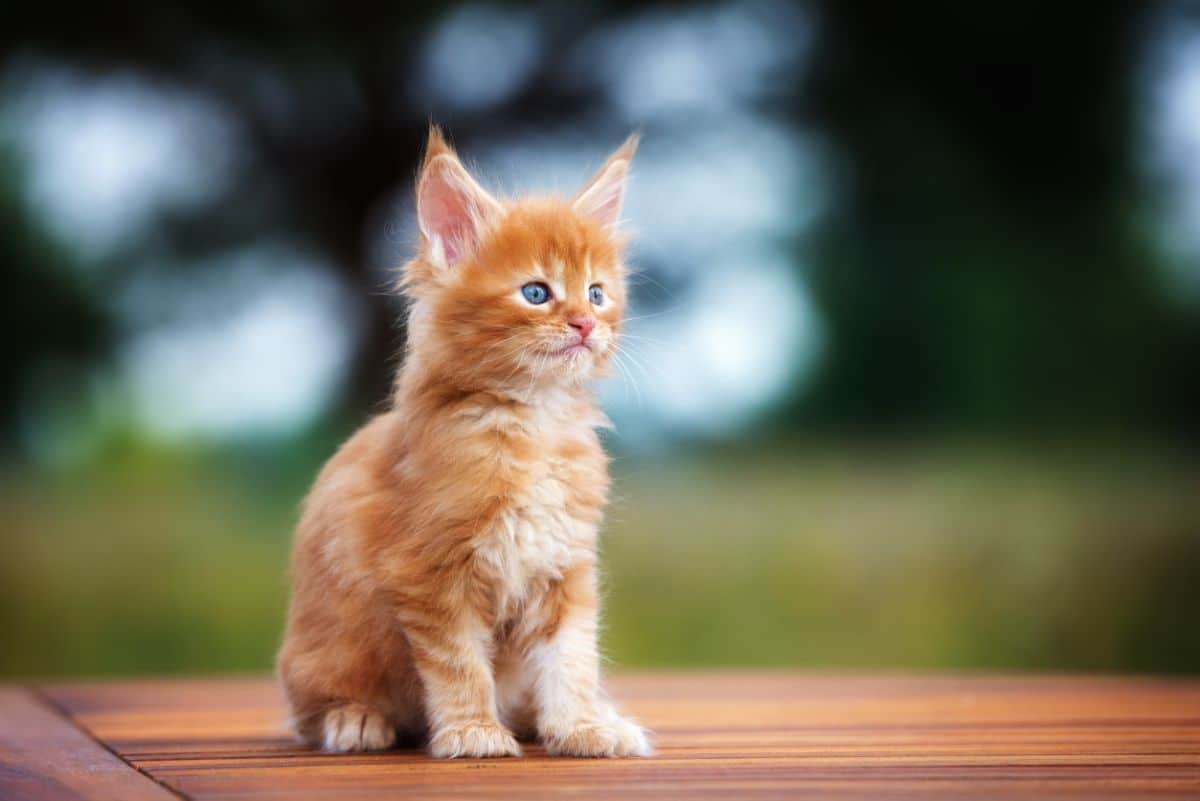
point(358, 692)
point(356, 727)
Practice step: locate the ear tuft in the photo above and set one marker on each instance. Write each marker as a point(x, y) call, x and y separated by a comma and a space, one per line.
point(452, 209)
point(627, 148)
point(602, 197)
point(436, 145)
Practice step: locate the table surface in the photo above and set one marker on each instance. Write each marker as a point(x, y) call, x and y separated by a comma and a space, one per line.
point(737, 735)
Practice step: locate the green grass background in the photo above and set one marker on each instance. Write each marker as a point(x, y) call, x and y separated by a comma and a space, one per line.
point(945, 557)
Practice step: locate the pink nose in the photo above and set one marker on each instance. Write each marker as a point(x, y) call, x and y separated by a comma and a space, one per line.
point(583, 325)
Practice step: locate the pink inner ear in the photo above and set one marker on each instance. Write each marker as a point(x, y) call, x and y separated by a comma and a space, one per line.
point(447, 211)
point(602, 200)
point(608, 207)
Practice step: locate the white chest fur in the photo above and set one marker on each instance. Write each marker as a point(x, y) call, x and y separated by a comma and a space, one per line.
point(538, 535)
point(533, 542)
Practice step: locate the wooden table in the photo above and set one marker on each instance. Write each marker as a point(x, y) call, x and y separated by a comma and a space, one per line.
point(719, 735)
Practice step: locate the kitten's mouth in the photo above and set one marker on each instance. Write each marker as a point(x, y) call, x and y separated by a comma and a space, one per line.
point(574, 348)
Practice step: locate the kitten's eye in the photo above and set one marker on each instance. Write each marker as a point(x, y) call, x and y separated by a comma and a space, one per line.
point(596, 294)
point(536, 292)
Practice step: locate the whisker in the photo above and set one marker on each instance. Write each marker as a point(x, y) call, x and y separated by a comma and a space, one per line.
point(658, 313)
point(633, 358)
point(631, 381)
point(641, 338)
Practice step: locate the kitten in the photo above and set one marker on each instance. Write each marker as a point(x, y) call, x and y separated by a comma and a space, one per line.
point(444, 568)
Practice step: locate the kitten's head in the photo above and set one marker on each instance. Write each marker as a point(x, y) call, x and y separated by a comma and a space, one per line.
point(517, 293)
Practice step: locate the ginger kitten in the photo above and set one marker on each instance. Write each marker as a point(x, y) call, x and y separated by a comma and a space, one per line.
point(444, 567)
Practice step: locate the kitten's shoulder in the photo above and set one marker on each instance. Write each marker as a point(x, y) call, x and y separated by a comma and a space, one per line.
point(370, 448)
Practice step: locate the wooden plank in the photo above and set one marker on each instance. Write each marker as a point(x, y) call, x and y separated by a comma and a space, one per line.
point(719, 735)
point(44, 756)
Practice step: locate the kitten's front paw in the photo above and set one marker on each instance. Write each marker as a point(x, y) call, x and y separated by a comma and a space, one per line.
point(355, 727)
point(473, 741)
point(615, 737)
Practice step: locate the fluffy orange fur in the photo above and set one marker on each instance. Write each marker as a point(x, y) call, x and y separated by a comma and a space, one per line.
point(444, 567)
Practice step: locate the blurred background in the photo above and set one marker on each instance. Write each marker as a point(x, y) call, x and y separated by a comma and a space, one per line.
point(916, 317)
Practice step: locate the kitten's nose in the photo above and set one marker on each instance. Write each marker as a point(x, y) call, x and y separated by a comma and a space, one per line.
point(583, 325)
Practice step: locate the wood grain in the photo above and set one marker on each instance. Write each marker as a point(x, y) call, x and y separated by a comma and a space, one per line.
point(728, 735)
point(44, 756)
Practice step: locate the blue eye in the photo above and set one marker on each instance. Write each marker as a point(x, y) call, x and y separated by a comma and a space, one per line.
point(536, 292)
point(595, 294)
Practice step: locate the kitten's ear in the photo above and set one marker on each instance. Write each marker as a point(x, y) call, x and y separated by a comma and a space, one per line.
point(601, 198)
point(452, 209)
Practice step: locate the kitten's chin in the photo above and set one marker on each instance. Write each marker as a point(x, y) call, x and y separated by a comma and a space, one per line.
point(573, 365)
point(577, 367)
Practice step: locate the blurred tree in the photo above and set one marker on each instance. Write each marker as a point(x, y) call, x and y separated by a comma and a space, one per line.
point(319, 91)
point(982, 266)
point(985, 266)
point(48, 314)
